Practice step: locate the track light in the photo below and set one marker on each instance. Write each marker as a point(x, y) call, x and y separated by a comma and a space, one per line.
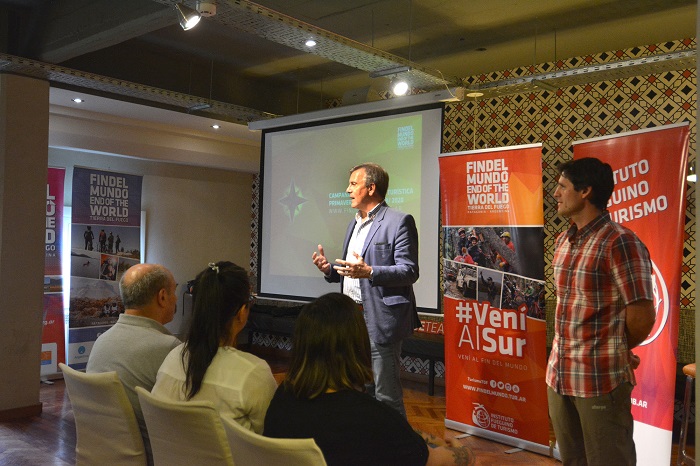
point(399, 86)
point(389, 71)
point(198, 107)
point(187, 16)
point(692, 176)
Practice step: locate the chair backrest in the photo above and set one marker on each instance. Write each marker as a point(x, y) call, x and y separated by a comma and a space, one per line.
point(184, 432)
point(105, 424)
point(248, 447)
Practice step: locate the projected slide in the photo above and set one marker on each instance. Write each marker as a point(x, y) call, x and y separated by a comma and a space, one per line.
point(305, 174)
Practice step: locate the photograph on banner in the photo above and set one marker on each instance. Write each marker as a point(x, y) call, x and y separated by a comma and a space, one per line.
point(459, 279)
point(53, 283)
point(122, 241)
point(84, 264)
point(93, 302)
point(108, 267)
point(506, 248)
point(518, 290)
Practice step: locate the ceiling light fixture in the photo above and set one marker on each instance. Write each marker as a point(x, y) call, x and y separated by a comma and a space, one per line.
point(399, 86)
point(474, 93)
point(206, 8)
point(78, 100)
point(692, 176)
point(310, 43)
point(196, 107)
point(187, 16)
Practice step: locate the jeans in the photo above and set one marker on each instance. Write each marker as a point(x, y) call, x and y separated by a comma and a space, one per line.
point(386, 365)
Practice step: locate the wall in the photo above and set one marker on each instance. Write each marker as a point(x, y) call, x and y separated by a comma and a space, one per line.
point(24, 127)
point(557, 118)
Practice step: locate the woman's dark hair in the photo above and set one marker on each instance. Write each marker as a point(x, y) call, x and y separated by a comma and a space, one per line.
point(589, 171)
point(330, 348)
point(219, 292)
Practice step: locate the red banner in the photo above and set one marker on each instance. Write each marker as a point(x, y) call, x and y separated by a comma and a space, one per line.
point(53, 341)
point(649, 198)
point(493, 269)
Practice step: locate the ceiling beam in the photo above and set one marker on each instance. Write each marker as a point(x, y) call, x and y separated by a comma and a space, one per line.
point(97, 25)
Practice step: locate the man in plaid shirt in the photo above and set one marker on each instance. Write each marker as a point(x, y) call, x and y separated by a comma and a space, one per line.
point(602, 273)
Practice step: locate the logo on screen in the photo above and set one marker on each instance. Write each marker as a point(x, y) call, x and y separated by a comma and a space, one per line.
point(405, 137)
point(292, 201)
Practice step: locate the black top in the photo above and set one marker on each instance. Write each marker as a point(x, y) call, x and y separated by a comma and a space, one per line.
point(350, 428)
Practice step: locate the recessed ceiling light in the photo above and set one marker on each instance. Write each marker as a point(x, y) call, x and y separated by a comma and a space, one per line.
point(215, 126)
point(310, 43)
point(399, 86)
point(78, 100)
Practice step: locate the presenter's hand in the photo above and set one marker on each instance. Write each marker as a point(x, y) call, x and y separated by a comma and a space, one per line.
point(320, 261)
point(355, 269)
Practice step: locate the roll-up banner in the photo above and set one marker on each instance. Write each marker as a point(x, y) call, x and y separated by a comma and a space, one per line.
point(649, 198)
point(53, 340)
point(493, 270)
point(105, 238)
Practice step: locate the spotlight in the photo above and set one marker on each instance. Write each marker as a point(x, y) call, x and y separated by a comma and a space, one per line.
point(399, 86)
point(692, 176)
point(187, 16)
point(310, 43)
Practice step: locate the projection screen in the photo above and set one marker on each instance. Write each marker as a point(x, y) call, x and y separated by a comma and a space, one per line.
point(304, 173)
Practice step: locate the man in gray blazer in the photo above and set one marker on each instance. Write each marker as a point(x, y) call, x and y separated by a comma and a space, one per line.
point(378, 269)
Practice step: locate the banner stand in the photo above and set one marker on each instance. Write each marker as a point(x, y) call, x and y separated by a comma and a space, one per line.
point(493, 296)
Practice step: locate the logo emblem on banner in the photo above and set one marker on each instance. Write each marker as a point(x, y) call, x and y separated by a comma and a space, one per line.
point(661, 305)
point(481, 416)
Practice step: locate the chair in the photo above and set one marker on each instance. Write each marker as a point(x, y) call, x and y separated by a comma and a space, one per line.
point(106, 426)
point(248, 447)
point(683, 458)
point(184, 432)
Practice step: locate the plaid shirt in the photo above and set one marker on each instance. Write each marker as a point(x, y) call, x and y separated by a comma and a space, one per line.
point(598, 271)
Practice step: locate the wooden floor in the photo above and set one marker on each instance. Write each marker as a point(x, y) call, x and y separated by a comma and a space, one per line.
point(49, 439)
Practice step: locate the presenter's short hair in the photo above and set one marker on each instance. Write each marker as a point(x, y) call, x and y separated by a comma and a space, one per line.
point(331, 348)
point(592, 172)
point(374, 174)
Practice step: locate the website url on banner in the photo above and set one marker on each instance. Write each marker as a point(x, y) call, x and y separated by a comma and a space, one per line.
point(486, 391)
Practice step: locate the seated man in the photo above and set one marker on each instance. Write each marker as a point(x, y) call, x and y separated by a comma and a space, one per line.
point(138, 343)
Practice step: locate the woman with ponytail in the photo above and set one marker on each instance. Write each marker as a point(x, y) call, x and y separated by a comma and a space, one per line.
point(208, 366)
